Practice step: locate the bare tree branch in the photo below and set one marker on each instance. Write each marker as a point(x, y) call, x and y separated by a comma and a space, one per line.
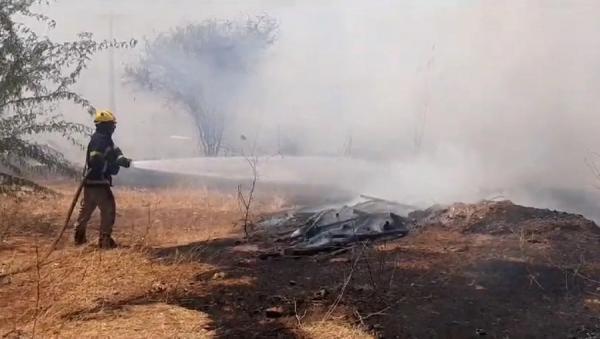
point(201, 68)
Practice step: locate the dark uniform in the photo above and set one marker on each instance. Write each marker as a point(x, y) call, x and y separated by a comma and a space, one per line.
point(102, 161)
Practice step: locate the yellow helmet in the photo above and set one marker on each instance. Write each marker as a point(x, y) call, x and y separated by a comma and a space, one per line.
point(104, 116)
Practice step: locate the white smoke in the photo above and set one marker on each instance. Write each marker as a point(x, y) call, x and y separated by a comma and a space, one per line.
point(455, 100)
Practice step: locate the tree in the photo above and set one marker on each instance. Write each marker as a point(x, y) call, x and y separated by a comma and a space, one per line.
point(201, 67)
point(35, 75)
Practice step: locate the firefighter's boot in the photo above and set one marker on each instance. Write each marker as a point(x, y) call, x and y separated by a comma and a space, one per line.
point(80, 238)
point(106, 242)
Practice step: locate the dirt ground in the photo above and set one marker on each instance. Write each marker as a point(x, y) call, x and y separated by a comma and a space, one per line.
point(183, 270)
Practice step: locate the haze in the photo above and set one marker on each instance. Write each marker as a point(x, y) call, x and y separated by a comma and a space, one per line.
point(451, 100)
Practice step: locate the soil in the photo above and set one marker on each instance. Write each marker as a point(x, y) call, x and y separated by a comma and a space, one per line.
point(492, 269)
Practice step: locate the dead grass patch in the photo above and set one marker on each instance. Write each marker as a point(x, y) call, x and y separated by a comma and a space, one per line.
point(139, 321)
point(91, 293)
point(332, 330)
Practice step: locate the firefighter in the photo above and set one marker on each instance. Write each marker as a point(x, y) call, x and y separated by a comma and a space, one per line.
point(103, 160)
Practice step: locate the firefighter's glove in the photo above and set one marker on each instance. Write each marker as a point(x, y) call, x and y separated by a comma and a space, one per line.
point(122, 161)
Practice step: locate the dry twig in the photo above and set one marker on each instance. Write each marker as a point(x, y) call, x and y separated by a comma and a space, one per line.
point(344, 286)
point(246, 202)
point(298, 317)
point(37, 289)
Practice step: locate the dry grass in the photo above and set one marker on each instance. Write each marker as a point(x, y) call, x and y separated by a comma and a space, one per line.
point(180, 272)
point(124, 293)
point(141, 321)
point(332, 330)
point(82, 280)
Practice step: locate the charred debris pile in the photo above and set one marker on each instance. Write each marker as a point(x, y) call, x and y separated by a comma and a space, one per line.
point(308, 232)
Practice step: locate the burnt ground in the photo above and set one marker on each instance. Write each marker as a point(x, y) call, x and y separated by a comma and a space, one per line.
point(494, 269)
point(491, 269)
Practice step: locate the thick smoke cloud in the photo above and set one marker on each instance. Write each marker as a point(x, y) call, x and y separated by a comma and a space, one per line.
point(455, 100)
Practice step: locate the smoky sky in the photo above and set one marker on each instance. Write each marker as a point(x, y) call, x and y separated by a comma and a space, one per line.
point(456, 100)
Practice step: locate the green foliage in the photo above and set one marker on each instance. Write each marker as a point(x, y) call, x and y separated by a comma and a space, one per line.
point(201, 68)
point(35, 75)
